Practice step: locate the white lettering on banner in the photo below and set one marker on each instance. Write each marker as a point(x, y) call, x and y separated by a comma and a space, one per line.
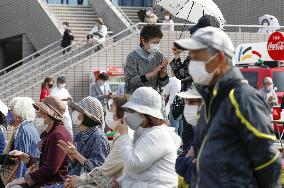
point(277, 46)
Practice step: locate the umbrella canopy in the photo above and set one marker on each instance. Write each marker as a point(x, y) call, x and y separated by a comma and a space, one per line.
point(3, 108)
point(192, 10)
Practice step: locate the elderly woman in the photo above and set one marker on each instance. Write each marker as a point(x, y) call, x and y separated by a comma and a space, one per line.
point(91, 146)
point(150, 161)
point(113, 165)
point(53, 162)
point(25, 136)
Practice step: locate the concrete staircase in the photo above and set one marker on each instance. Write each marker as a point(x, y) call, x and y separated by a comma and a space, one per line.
point(132, 12)
point(81, 18)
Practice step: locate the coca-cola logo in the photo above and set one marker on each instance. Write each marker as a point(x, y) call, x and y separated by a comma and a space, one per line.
point(275, 46)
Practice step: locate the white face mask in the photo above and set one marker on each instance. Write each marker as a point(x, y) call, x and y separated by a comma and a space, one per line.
point(154, 48)
point(269, 88)
point(133, 120)
point(198, 71)
point(265, 24)
point(75, 118)
point(190, 114)
point(110, 121)
point(61, 85)
point(167, 18)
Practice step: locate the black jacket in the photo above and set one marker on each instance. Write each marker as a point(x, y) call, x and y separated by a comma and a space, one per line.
point(67, 38)
point(236, 146)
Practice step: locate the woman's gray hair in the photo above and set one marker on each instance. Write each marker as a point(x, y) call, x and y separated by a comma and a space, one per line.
point(23, 107)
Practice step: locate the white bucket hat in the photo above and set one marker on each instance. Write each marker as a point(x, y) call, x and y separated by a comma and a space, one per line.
point(191, 93)
point(146, 100)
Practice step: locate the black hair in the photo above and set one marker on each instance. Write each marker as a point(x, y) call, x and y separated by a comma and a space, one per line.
point(60, 79)
point(264, 21)
point(168, 13)
point(89, 122)
point(149, 32)
point(103, 76)
point(66, 23)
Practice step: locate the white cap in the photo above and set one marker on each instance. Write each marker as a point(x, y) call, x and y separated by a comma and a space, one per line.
point(191, 93)
point(208, 37)
point(146, 100)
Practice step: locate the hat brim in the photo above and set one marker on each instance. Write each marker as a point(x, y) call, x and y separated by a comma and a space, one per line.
point(190, 44)
point(99, 21)
point(81, 110)
point(144, 110)
point(188, 95)
point(42, 106)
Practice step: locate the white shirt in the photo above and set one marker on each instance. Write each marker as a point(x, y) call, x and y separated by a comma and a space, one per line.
point(102, 31)
point(150, 162)
point(169, 27)
point(171, 89)
point(63, 93)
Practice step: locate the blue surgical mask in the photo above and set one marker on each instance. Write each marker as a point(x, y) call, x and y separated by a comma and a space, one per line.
point(10, 119)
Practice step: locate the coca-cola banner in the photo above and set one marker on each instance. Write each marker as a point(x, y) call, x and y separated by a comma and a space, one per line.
point(275, 46)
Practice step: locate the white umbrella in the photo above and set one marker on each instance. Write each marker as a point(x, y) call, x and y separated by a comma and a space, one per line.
point(192, 10)
point(272, 22)
point(4, 108)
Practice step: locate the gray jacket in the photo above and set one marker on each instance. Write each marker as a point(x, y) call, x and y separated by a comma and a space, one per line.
point(136, 67)
point(98, 93)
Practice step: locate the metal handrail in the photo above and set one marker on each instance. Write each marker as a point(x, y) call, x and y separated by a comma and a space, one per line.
point(48, 57)
point(123, 13)
point(87, 50)
point(18, 62)
point(111, 38)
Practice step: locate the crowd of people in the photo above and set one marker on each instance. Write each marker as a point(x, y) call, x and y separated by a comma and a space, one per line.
point(205, 123)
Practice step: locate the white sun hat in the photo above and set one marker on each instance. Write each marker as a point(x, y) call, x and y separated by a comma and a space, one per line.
point(146, 100)
point(191, 93)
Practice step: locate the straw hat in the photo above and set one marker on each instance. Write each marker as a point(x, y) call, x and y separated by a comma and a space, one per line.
point(100, 21)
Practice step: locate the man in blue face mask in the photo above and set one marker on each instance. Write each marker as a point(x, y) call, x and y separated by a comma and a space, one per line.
point(236, 147)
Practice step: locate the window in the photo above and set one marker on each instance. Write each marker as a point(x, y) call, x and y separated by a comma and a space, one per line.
point(278, 78)
point(252, 78)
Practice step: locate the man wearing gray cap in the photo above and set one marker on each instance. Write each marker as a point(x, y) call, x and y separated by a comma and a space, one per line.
point(236, 147)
